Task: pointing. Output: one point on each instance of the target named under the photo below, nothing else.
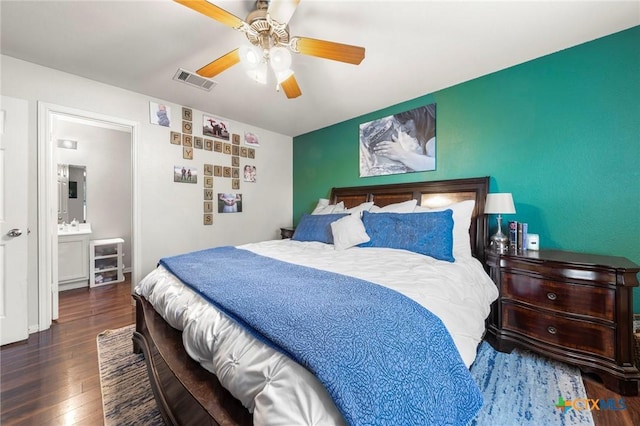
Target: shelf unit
(106, 262)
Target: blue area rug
(127, 398)
(522, 388)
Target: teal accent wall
(561, 133)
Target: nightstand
(573, 307)
(287, 232)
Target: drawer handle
(552, 330)
(552, 296)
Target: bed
(261, 379)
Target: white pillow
(462, 212)
(323, 207)
(403, 207)
(357, 210)
(348, 231)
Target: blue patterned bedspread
(383, 358)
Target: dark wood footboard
(186, 393)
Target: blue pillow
(316, 227)
(429, 233)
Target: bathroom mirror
(72, 193)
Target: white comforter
(278, 390)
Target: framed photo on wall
(185, 174)
(250, 172)
(251, 139)
(212, 126)
(400, 143)
(159, 114)
(229, 203)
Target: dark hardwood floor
(52, 378)
(630, 416)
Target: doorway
(51, 118)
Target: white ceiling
(412, 48)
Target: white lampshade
(259, 73)
(280, 58)
(250, 56)
(499, 203)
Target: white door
(14, 174)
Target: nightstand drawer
(569, 298)
(566, 332)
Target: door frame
(47, 201)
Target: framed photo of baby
(159, 114)
(400, 143)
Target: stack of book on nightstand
(517, 236)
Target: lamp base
(500, 242)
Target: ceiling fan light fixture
(267, 29)
(279, 58)
(250, 56)
(258, 73)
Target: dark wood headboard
(429, 194)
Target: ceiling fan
(267, 30)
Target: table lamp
(499, 203)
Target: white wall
(171, 213)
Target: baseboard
(73, 285)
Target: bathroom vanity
(73, 256)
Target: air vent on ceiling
(194, 79)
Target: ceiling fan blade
(281, 11)
(222, 63)
(290, 87)
(213, 11)
(328, 50)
